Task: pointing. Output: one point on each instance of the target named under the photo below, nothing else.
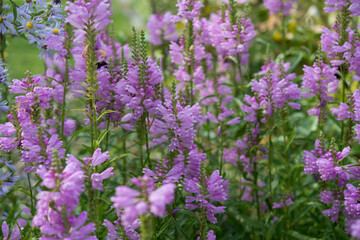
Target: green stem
(68, 46)
(271, 153)
(141, 156)
(190, 54)
(283, 31)
(31, 195)
(285, 139)
(153, 6)
(92, 201)
(94, 117)
(241, 75)
(147, 229)
(63, 108)
(124, 160)
(147, 142)
(107, 135)
(256, 191)
(221, 147)
(2, 39)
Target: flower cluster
(275, 89)
(327, 165)
(146, 200)
(276, 6)
(118, 226)
(161, 28)
(320, 80)
(213, 189)
(27, 121)
(55, 207)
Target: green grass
(21, 56)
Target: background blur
(303, 37)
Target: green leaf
(232, 58)
(102, 136)
(164, 226)
(14, 8)
(291, 139)
(106, 201)
(251, 185)
(238, 102)
(74, 135)
(267, 42)
(209, 96)
(12, 213)
(7, 195)
(87, 147)
(3, 44)
(296, 61)
(298, 235)
(25, 192)
(84, 111)
(271, 230)
(103, 114)
(37, 184)
(340, 233)
(121, 156)
(179, 228)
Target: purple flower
(140, 94)
(5, 24)
(228, 39)
(112, 233)
(128, 228)
(216, 189)
(3, 72)
(6, 182)
(338, 5)
(327, 165)
(311, 166)
(328, 40)
(187, 9)
(349, 51)
(15, 235)
(160, 198)
(178, 121)
(351, 205)
(125, 197)
(320, 80)
(333, 212)
(327, 197)
(283, 6)
(98, 178)
(59, 203)
(335, 5)
(211, 235)
(95, 12)
(342, 112)
(8, 164)
(137, 203)
(161, 28)
(284, 201)
(164, 174)
(30, 25)
(350, 110)
(98, 157)
(355, 229)
(275, 88)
